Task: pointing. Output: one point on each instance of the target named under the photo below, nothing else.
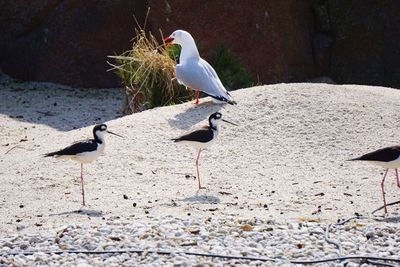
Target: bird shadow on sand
(194, 115)
(84, 212)
(203, 199)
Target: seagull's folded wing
(199, 75)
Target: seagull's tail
(224, 99)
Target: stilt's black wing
(76, 148)
(385, 154)
(201, 136)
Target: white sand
(286, 159)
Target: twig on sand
(390, 204)
(16, 146)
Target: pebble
(227, 236)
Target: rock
(194, 231)
(370, 235)
(247, 227)
(24, 246)
(373, 24)
(66, 41)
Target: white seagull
(194, 72)
(203, 138)
(85, 151)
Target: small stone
(247, 227)
(115, 238)
(370, 235)
(194, 231)
(300, 245)
(24, 246)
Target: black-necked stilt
(194, 72)
(388, 158)
(203, 138)
(85, 151)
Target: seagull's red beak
(169, 41)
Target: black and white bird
(388, 158)
(194, 72)
(203, 138)
(85, 151)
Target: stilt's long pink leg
(383, 190)
(398, 179)
(197, 97)
(83, 189)
(198, 173)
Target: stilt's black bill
(229, 122)
(115, 134)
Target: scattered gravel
(296, 240)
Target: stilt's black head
(212, 120)
(215, 117)
(99, 131)
(99, 127)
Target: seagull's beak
(168, 41)
(229, 122)
(115, 134)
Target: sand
(285, 161)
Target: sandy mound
(286, 160)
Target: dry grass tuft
(148, 73)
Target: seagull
(388, 158)
(85, 151)
(203, 138)
(194, 72)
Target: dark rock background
(367, 41)
(351, 41)
(66, 41)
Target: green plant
(230, 70)
(148, 73)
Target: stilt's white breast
(390, 164)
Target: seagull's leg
(383, 190)
(83, 189)
(197, 166)
(397, 176)
(197, 97)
